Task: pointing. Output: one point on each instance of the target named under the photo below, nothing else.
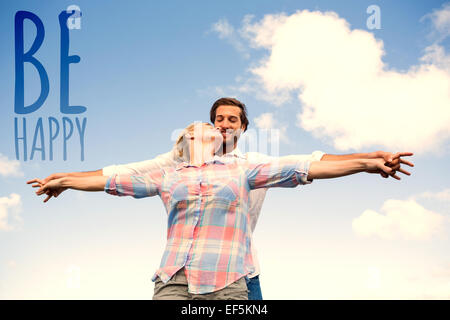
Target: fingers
(49, 191)
(403, 154)
(48, 198)
(50, 194)
(35, 181)
(399, 160)
(404, 171)
(394, 166)
(407, 163)
(44, 181)
(392, 171)
(58, 192)
(397, 167)
(389, 172)
(42, 190)
(386, 170)
(37, 185)
(396, 162)
(384, 175)
(45, 188)
(394, 175)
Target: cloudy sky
(341, 77)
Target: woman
(208, 246)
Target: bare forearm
(335, 169)
(88, 183)
(86, 173)
(352, 156)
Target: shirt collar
(215, 159)
(236, 153)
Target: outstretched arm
(336, 169)
(55, 192)
(393, 160)
(288, 173)
(88, 183)
(119, 185)
(135, 168)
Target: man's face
(228, 120)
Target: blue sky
(149, 68)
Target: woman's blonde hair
(181, 145)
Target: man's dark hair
(230, 102)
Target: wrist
(374, 155)
(365, 164)
(65, 182)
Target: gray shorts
(177, 289)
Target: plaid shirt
(208, 224)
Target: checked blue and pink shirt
(208, 223)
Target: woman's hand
(54, 192)
(393, 160)
(51, 187)
(379, 165)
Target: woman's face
(204, 139)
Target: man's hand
(54, 192)
(394, 161)
(377, 165)
(50, 187)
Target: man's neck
(226, 148)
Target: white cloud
(440, 19)
(267, 121)
(227, 32)
(347, 93)
(10, 208)
(9, 167)
(401, 219)
(443, 195)
(223, 28)
(436, 55)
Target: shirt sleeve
(167, 159)
(136, 186)
(286, 173)
(316, 155)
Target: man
(230, 116)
